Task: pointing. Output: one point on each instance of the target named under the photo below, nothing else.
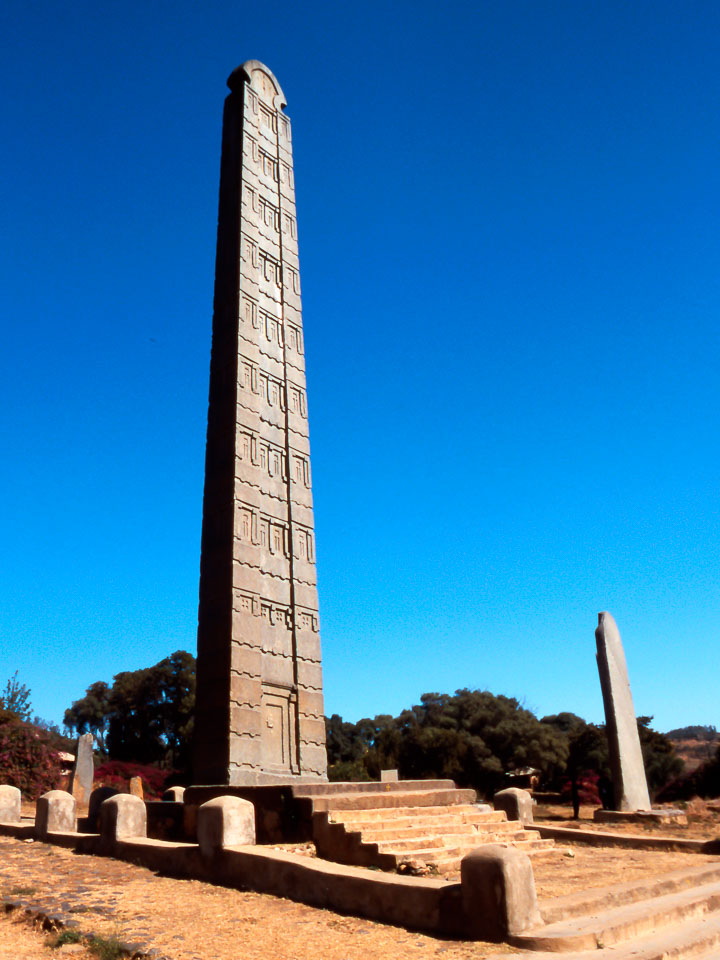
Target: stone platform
(661, 815)
(430, 823)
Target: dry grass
(703, 821)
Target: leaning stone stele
(259, 714)
(626, 760)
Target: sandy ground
(190, 920)
(22, 941)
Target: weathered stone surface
(136, 787)
(258, 640)
(122, 817)
(55, 813)
(225, 822)
(498, 893)
(626, 760)
(517, 804)
(81, 778)
(175, 794)
(10, 801)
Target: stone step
(465, 812)
(395, 799)
(643, 918)
(449, 861)
(372, 787)
(697, 939)
(447, 848)
(446, 841)
(600, 898)
(388, 831)
(415, 817)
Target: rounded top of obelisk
(261, 78)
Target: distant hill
(694, 733)
(694, 745)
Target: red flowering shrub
(587, 789)
(27, 759)
(117, 773)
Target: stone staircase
(676, 917)
(434, 827)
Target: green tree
(15, 701)
(91, 713)
(662, 764)
(587, 750)
(146, 716)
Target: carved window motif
(245, 604)
(284, 127)
(269, 268)
(263, 386)
(266, 612)
(247, 376)
(286, 173)
(306, 621)
(295, 338)
(306, 472)
(274, 393)
(297, 469)
(274, 463)
(263, 456)
(268, 118)
(310, 551)
(252, 99)
(292, 279)
(245, 446)
(246, 525)
(269, 213)
(251, 147)
(264, 533)
(268, 164)
(277, 544)
(250, 197)
(289, 225)
(249, 310)
(302, 545)
(251, 252)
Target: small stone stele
(10, 800)
(55, 813)
(122, 817)
(498, 893)
(136, 787)
(81, 778)
(517, 804)
(225, 822)
(174, 794)
(389, 776)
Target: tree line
(473, 737)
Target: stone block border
(464, 910)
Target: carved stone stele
(626, 760)
(259, 712)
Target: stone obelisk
(626, 760)
(259, 715)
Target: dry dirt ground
(703, 821)
(189, 920)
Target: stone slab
(626, 760)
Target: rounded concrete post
(174, 793)
(55, 813)
(498, 893)
(517, 804)
(10, 800)
(225, 822)
(122, 817)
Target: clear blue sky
(508, 222)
